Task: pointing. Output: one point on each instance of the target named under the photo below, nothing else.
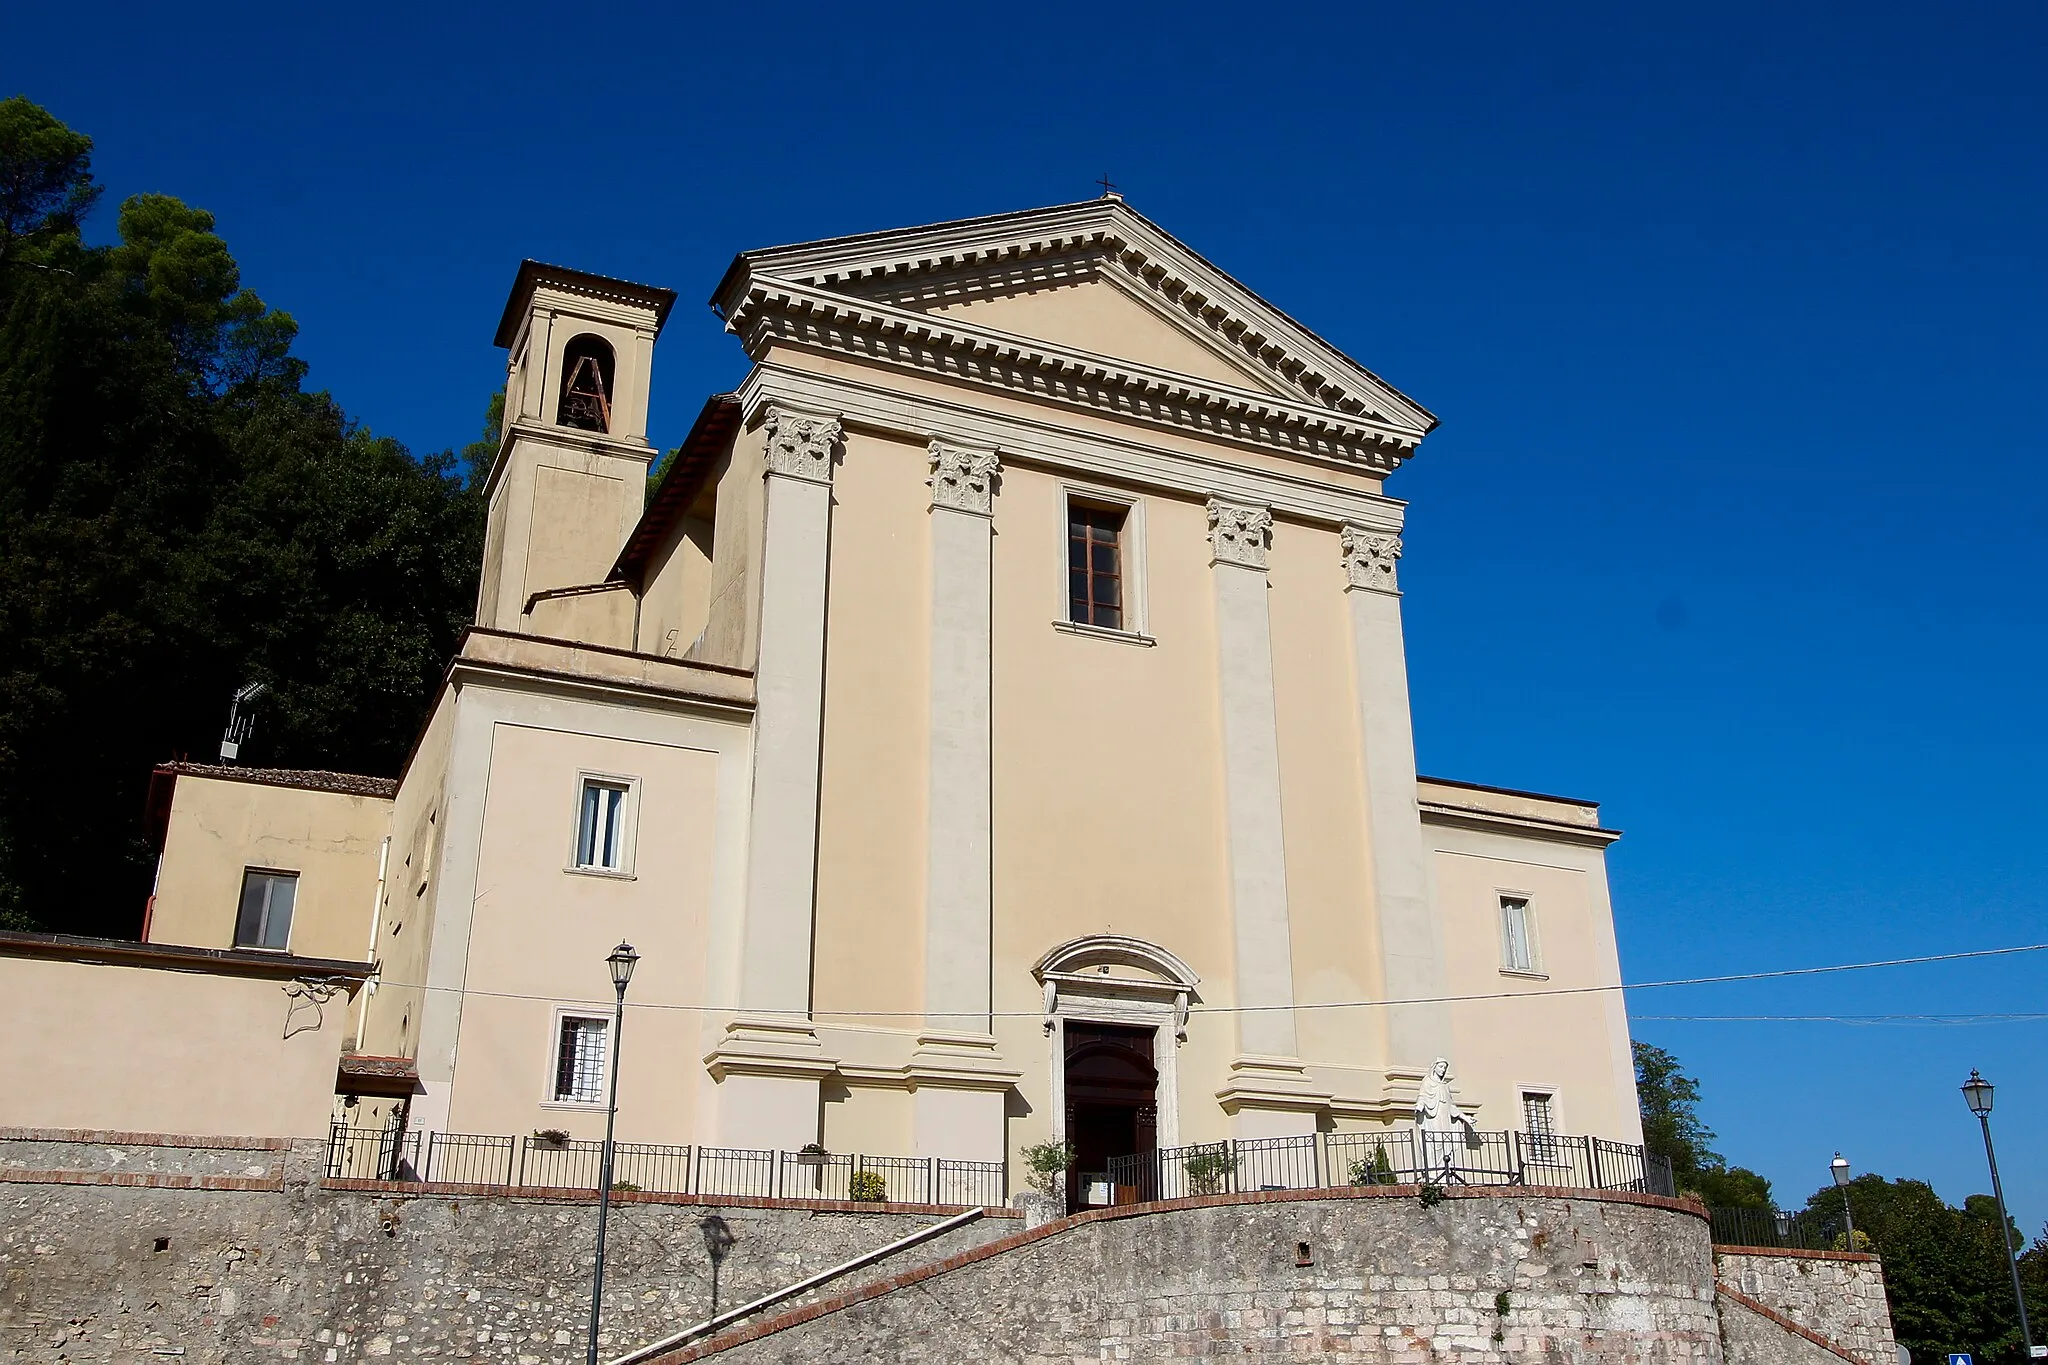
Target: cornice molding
(1239, 534)
(964, 477)
(1052, 445)
(784, 312)
(1370, 557)
(801, 445)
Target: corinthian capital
(1369, 558)
(964, 477)
(801, 444)
(1238, 533)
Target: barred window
(1539, 1121)
(579, 1060)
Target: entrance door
(1112, 1105)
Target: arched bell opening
(586, 397)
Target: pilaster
(770, 1061)
(1411, 939)
(958, 1077)
(1268, 1091)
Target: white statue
(1435, 1110)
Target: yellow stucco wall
(166, 1051)
(540, 933)
(219, 827)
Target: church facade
(993, 728)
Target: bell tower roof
(533, 274)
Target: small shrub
(1374, 1170)
(1207, 1170)
(551, 1137)
(1047, 1164)
(624, 1187)
(1431, 1195)
(868, 1187)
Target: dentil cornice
(784, 313)
(801, 445)
(1239, 534)
(1369, 558)
(964, 477)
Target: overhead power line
(1530, 994)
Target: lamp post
(1977, 1094)
(621, 962)
(1840, 1168)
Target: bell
(585, 404)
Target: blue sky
(1736, 521)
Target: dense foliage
(178, 517)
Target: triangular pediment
(1096, 317)
(1094, 289)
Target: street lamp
(1840, 1168)
(1977, 1094)
(621, 963)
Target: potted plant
(553, 1138)
(811, 1154)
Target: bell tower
(570, 478)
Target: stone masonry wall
(1750, 1337)
(133, 1252)
(1482, 1278)
(1836, 1294)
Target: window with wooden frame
(1095, 564)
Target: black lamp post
(621, 962)
(1840, 1169)
(1977, 1094)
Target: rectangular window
(1095, 569)
(265, 917)
(579, 1060)
(601, 826)
(1539, 1122)
(1517, 944)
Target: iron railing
(1396, 1156)
(1803, 1229)
(545, 1162)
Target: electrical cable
(1724, 979)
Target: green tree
(1672, 1127)
(178, 516)
(45, 174)
(1944, 1272)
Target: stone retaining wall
(127, 1247)
(158, 1267)
(1482, 1276)
(1836, 1294)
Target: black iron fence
(1800, 1230)
(544, 1161)
(1403, 1156)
